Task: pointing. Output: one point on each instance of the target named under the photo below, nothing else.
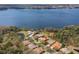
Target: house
(26, 42)
(56, 45)
(50, 41)
(32, 46)
(42, 39)
(38, 50)
(65, 50)
(38, 35)
(29, 32)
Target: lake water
(39, 18)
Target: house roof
(26, 42)
(38, 50)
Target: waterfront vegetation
(14, 40)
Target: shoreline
(38, 6)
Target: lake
(39, 18)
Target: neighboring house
(31, 46)
(38, 50)
(26, 42)
(42, 39)
(56, 45)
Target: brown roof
(38, 50)
(43, 38)
(50, 41)
(26, 42)
(32, 46)
(56, 45)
